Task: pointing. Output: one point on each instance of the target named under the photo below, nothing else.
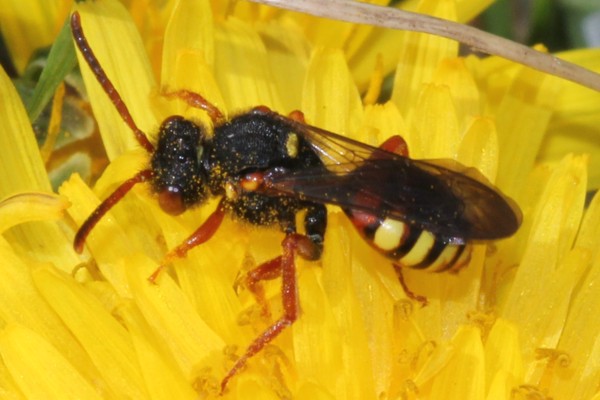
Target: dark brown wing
(442, 196)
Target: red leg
(201, 235)
(409, 293)
(197, 101)
(105, 206)
(297, 116)
(271, 269)
(395, 144)
(266, 271)
(289, 288)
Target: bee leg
(409, 293)
(105, 206)
(315, 222)
(201, 235)
(297, 116)
(395, 144)
(195, 100)
(293, 244)
(264, 272)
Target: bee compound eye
(171, 201)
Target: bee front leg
(196, 100)
(201, 235)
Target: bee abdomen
(408, 245)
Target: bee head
(179, 178)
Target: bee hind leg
(284, 266)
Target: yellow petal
(576, 372)
(466, 9)
(374, 304)
(288, 56)
(29, 25)
(39, 369)
(479, 147)
(330, 98)
(188, 59)
(23, 171)
(464, 375)
(588, 235)
(385, 44)
(539, 297)
(163, 378)
(453, 73)
(469, 9)
(21, 303)
(337, 325)
(19, 152)
(103, 337)
(210, 289)
(190, 27)
(310, 391)
(420, 57)
(579, 340)
(503, 358)
(381, 122)
(241, 68)
(434, 124)
(26, 207)
(575, 125)
(522, 118)
(191, 341)
(318, 331)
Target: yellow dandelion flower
(29, 25)
(514, 323)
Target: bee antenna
(102, 78)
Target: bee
(266, 167)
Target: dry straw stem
(392, 18)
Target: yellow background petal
(464, 375)
(163, 378)
(27, 25)
(19, 152)
(575, 125)
(479, 147)
(546, 276)
(39, 369)
(434, 124)
(504, 363)
(420, 57)
(26, 207)
(23, 171)
(189, 338)
(22, 304)
(103, 337)
(241, 68)
(330, 99)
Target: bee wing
(442, 196)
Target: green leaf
(61, 61)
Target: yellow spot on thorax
(291, 145)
